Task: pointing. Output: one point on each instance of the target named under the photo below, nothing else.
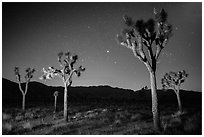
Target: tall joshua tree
(67, 61)
(28, 76)
(151, 36)
(174, 80)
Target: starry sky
(33, 34)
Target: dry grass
(107, 120)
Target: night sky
(33, 34)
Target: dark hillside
(40, 93)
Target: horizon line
(99, 86)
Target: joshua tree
(55, 105)
(144, 88)
(152, 36)
(28, 76)
(67, 61)
(174, 80)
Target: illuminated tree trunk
(55, 105)
(23, 94)
(65, 103)
(179, 101)
(153, 84)
(66, 87)
(155, 105)
(23, 102)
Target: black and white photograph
(101, 68)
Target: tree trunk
(55, 104)
(155, 105)
(179, 101)
(23, 95)
(23, 102)
(65, 103)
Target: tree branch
(148, 33)
(26, 88)
(141, 51)
(60, 62)
(19, 84)
(70, 76)
(138, 55)
(159, 48)
(147, 43)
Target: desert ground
(101, 119)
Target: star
(108, 51)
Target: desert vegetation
(174, 80)
(105, 110)
(66, 61)
(99, 111)
(28, 76)
(140, 35)
(101, 119)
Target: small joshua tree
(67, 61)
(55, 105)
(151, 36)
(174, 80)
(28, 76)
(144, 88)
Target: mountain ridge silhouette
(39, 92)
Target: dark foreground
(97, 119)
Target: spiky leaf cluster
(128, 20)
(28, 76)
(50, 73)
(17, 74)
(79, 70)
(173, 79)
(139, 34)
(161, 16)
(146, 29)
(29, 73)
(156, 29)
(67, 61)
(56, 93)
